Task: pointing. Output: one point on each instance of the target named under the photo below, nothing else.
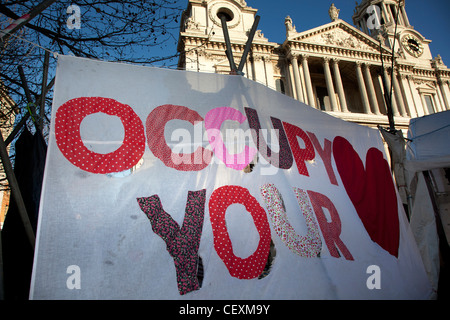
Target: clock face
(412, 45)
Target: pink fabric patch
(213, 121)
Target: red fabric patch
(300, 154)
(67, 131)
(156, 121)
(331, 230)
(325, 154)
(252, 266)
(371, 191)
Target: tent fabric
(17, 252)
(396, 143)
(169, 191)
(423, 225)
(428, 146)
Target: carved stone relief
(339, 38)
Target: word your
(74, 280)
(74, 20)
(374, 281)
(374, 19)
(183, 243)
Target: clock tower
(377, 19)
(425, 77)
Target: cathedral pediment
(338, 34)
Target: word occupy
(68, 138)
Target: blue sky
(430, 18)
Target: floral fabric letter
(182, 244)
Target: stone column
(302, 83)
(398, 95)
(294, 60)
(268, 66)
(340, 87)
(330, 86)
(372, 94)
(413, 108)
(399, 16)
(386, 14)
(380, 85)
(309, 90)
(260, 69)
(438, 103)
(287, 87)
(393, 100)
(405, 16)
(416, 97)
(442, 86)
(292, 81)
(409, 100)
(362, 89)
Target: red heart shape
(371, 191)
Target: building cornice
(218, 43)
(370, 120)
(342, 53)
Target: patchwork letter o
(68, 138)
(252, 266)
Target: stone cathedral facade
(336, 67)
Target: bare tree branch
(136, 31)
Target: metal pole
(229, 51)
(25, 117)
(387, 97)
(29, 98)
(43, 90)
(18, 23)
(392, 126)
(248, 45)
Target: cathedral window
(279, 85)
(322, 95)
(227, 13)
(429, 103)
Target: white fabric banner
(164, 184)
